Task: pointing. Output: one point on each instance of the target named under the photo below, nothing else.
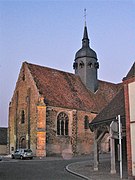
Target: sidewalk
(85, 170)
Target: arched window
(22, 117)
(86, 122)
(62, 124)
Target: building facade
(129, 89)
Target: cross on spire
(85, 16)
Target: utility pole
(113, 128)
(120, 144)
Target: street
(36, 169)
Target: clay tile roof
(63, 89)
(3, 136)
(114, 108)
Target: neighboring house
(129, 89)
(3, 140)
(122, 104)
(50, 110)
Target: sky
(49, 33)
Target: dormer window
(96, 65)
(75, 65)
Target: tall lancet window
(86, 122)
(62, 124)
(22, 117)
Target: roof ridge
(110, 82)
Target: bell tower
(86, 65)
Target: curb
(75, 173)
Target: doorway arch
(22, 142)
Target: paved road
(35, 170)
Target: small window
(22, 117)
(86, 122)
(81, 64)
(96, 65)
(23, 75)
(62, 124)
(90, 64)
(75, 65)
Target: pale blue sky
(50, 32)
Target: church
(50, 110)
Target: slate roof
(3, 136)
(63, 89)
(114, 108)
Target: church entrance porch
(100, 131)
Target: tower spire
(85, 63)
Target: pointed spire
(85, 50)
(85, 34)
(85, 40)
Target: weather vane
(85, 16)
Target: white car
(22, 154)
